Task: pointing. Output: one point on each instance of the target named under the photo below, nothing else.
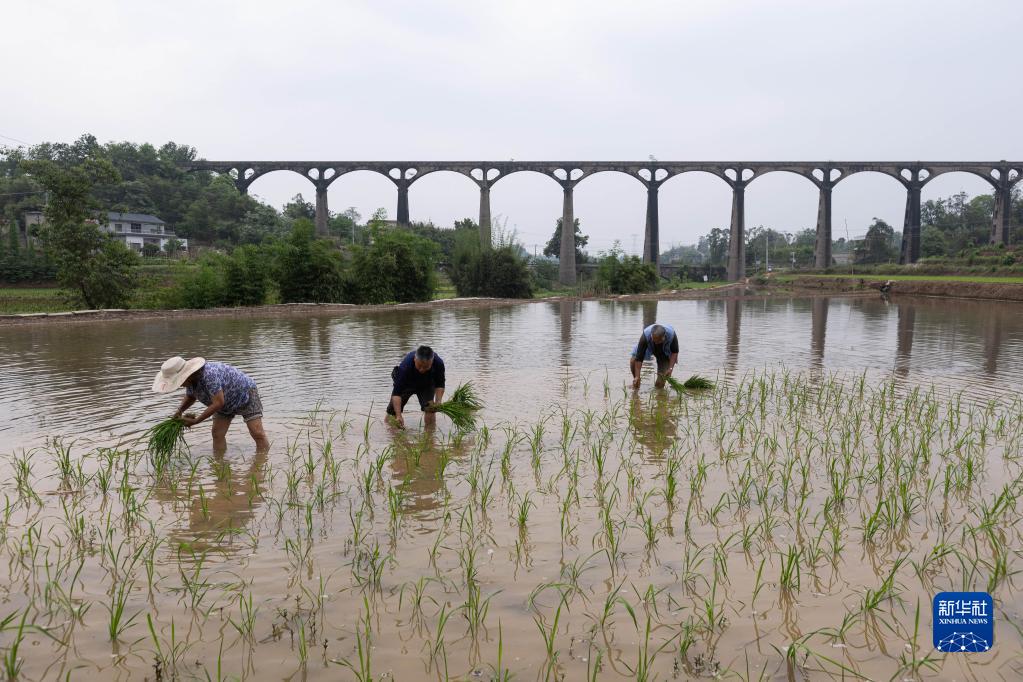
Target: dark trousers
(425, 395)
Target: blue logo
(964, 622)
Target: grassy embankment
(31, 300)
(906, 278)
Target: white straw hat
(174, 372)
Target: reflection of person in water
(229, 504)
(417, 464)
(659, 342)
(653, 426)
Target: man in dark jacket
(420, 373)
(658, 341)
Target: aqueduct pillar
(910, 252)
(651, 237)
(402, 217)
(322, 212)
(737, 233)
(486, 239)
(566, 270)
(822, 246)
(1000, 233)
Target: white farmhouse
(138, 229)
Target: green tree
(932, 242)
(246, 276)
(879, 244)
(299, 208)
(621, 274)
(173, 246)
(201, 287)
(714, 246)
(344, 225)
(13, 239)
(499, 272)
(398, 265)
(98, 271)
(553, 248)
(309, 270)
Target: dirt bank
(801, 286)
(994, 291)
(309, 309)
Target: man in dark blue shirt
(421, 373)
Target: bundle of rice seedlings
(693, 383)
(165, 438)
(461, 407)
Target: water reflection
(993, 342)
(420, 464)
(484, 324)
(733, 323)
(218, 511)
(818, 330)
(652, 424)
(904, 340)
(567, 311)
(91, 381)
(649, 313)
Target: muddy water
(452, 557)
(93, 380)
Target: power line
(14, 139)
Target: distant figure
(225, 390)
(420, 373)
(660, 342)
(886, 287)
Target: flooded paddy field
(856, 458)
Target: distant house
(139, 229)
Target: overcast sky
(587, 80)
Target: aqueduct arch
(913, 175)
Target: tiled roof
(134, 218)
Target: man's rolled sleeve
(640, 353)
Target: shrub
(544, 274)
(397, 266)
(150, 250)
(107, 279)
(500, 272)
(203, 287)
(309, 270)
(621, 274)
(246, 276)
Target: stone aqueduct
(913, 175)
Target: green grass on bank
(14, 300)
(21, 300)
(907, 278)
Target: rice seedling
(693, 383)
(865, 496)
(164, 439)
(461, 407)
(119, 620)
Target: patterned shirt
(218, 376)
